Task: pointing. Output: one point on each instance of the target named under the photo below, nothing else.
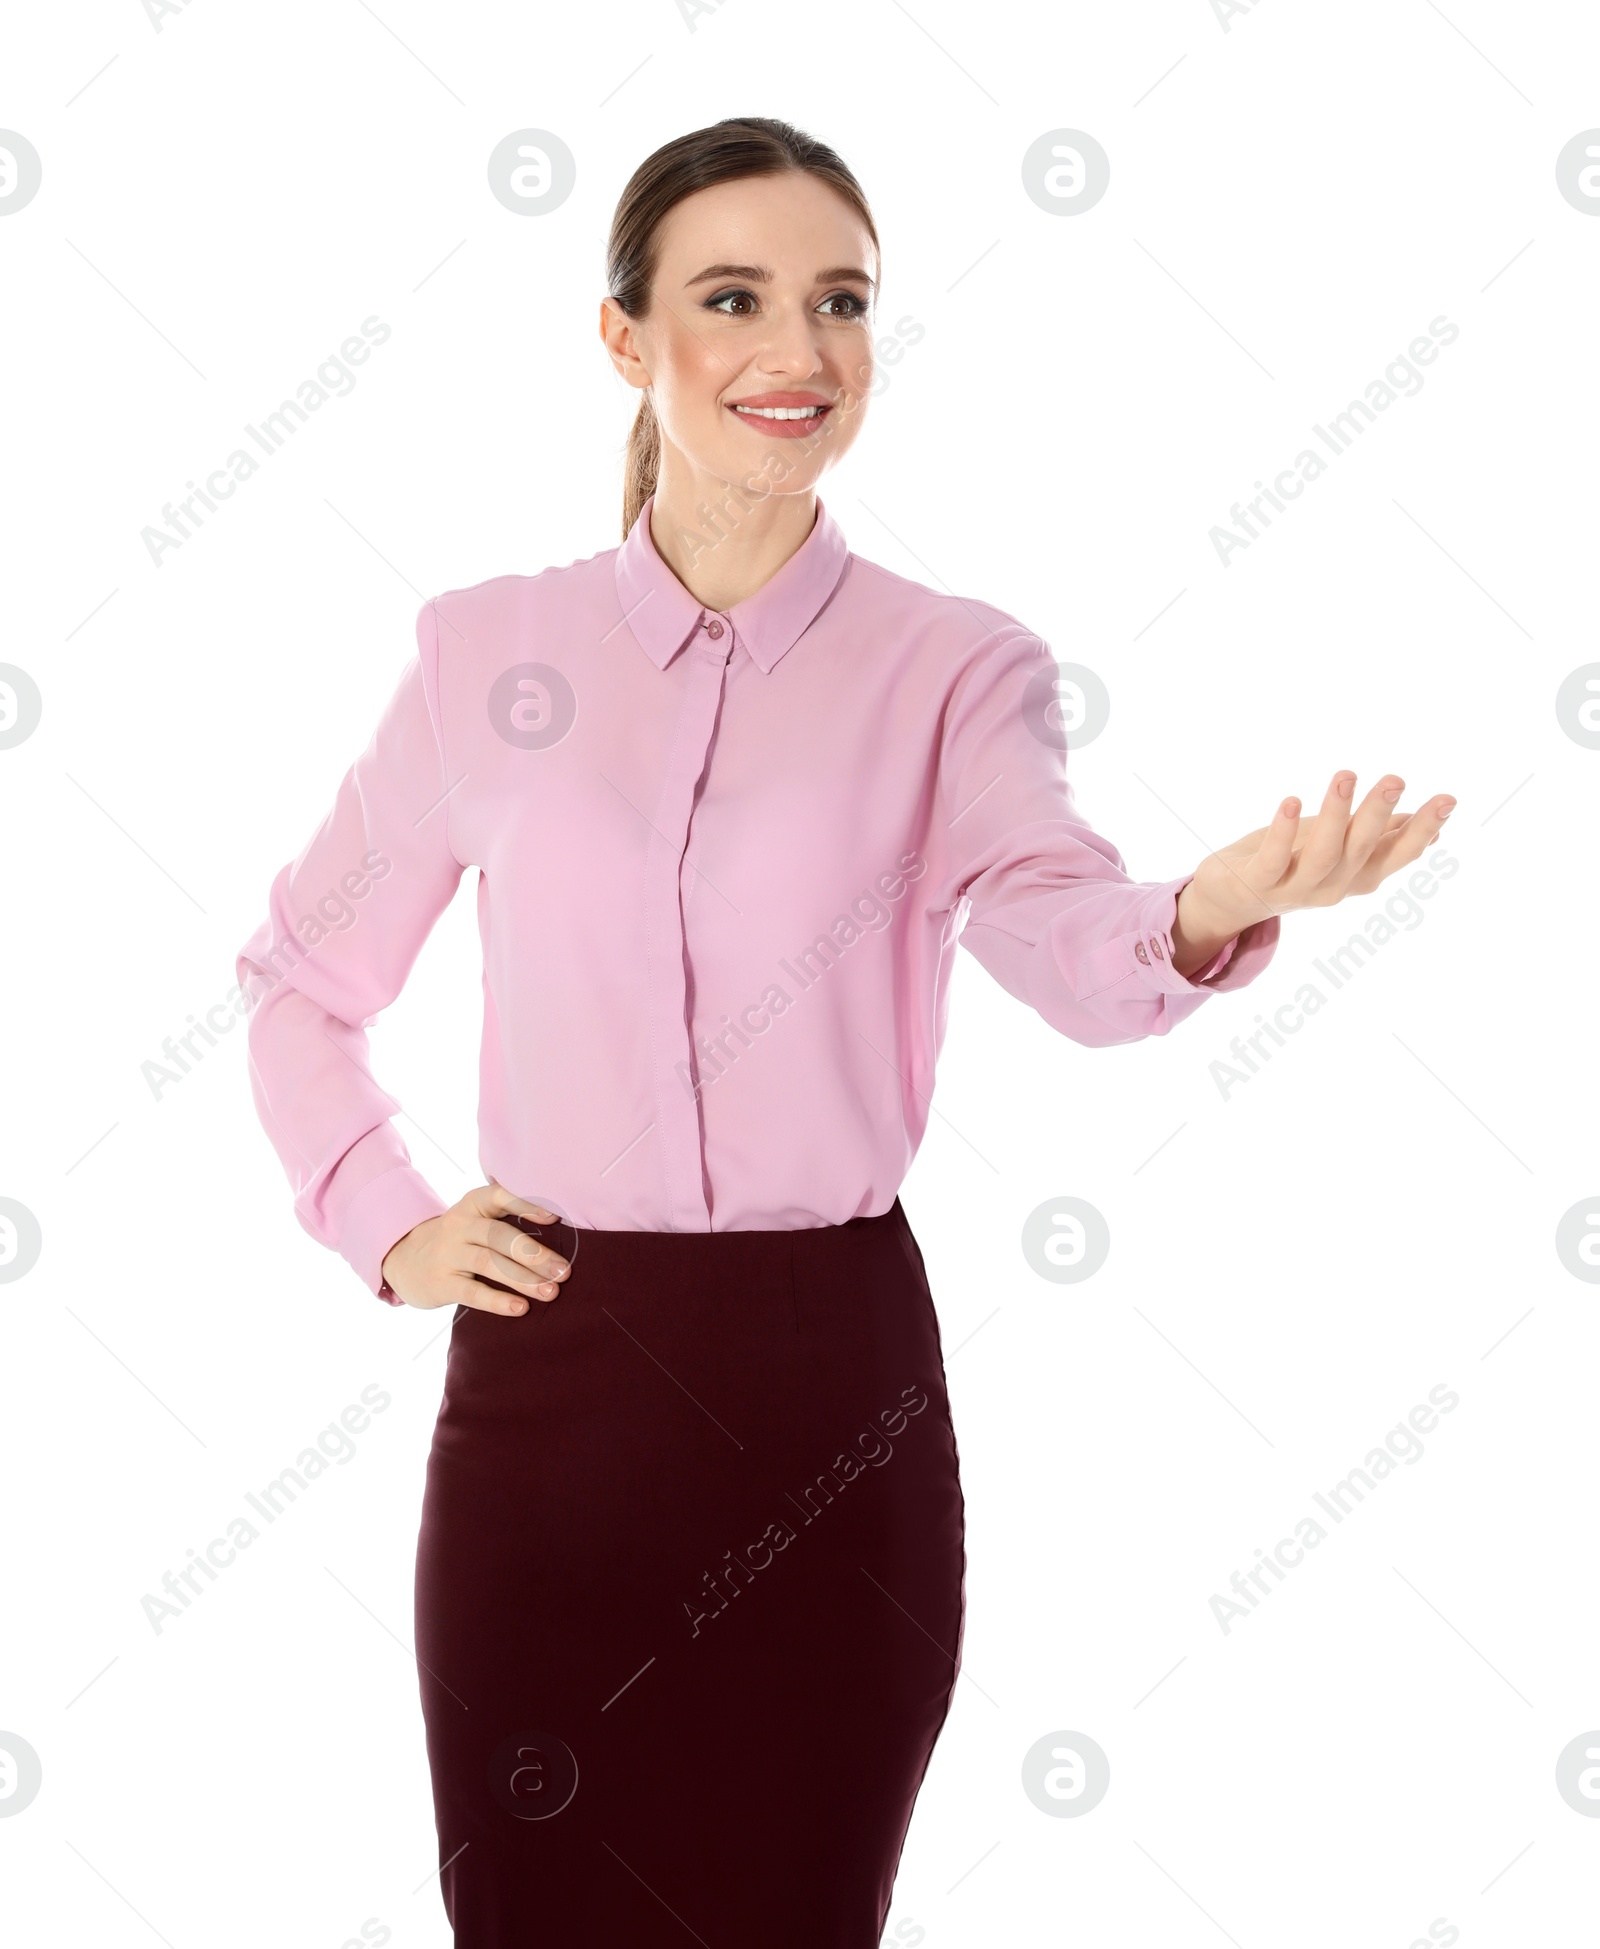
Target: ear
(618, 335)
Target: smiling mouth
(781, 412)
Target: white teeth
(781, 412)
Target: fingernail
(1446, 809)
(1290, 808)
(548, 1291)
(1392, 792)
(1347, 785)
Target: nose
(791, 348)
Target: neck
(721, 541)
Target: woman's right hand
(445, 1261)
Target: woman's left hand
(1298, 862)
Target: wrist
(1199, 932)
(388, 1266)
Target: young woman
(690, 1574)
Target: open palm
(1319, 861)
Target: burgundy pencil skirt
(690, 1591)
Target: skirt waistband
(730, 1252)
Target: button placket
(666, 948)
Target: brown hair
(742, 145)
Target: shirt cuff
(380, 1215)
(1144, 953)
(1241, 959)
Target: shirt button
(1155, 948)
(1138, 949)
(713, 630)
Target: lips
(785, 413)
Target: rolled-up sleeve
(1049, 908)
(345, 922)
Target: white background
(1293, 197)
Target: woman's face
(762, 300)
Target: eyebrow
(759, 274)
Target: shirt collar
(663, 615)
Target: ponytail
(641, 464)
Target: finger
(493, 1199)
(1397, 822)
(1394, 850)
(488, 1263)
(1370, 822)
(486, 1277)
(1403, 843)
(541, 1260)
(1277, 845)
(1322, 850)
(485, 1295)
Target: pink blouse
(723, 863)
